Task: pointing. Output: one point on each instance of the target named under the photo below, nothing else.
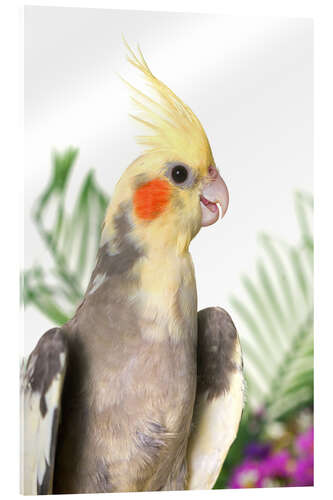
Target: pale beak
(213, 193)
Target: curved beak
(214, 192)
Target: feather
(175, 125)
(220, 398)
(41, 388)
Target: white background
(249, 80)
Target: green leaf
(280, 272)
(70, 238)
(277, 321)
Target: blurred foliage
(72, 240)
(275, 320)
(278, 317)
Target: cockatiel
(139, 392)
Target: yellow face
(165, 198)
(174, 187)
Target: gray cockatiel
(138, 391)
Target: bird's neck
(157, 266)
(161, 277)
(166, 293)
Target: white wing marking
(37, 431)
(215, 425)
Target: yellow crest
(173, 125)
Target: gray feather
(41, 390)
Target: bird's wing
(41, 386)
(219, 400)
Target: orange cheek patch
(151, 199)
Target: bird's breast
(132, 380)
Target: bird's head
(174, 188)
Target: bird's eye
(179, 174)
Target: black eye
(179, 174)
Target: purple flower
(303, 473)
(246, 475)
(264, 468)
(257, 450)
(304, 443)
(276, 469)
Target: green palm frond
(72, 240)
(277, 321)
